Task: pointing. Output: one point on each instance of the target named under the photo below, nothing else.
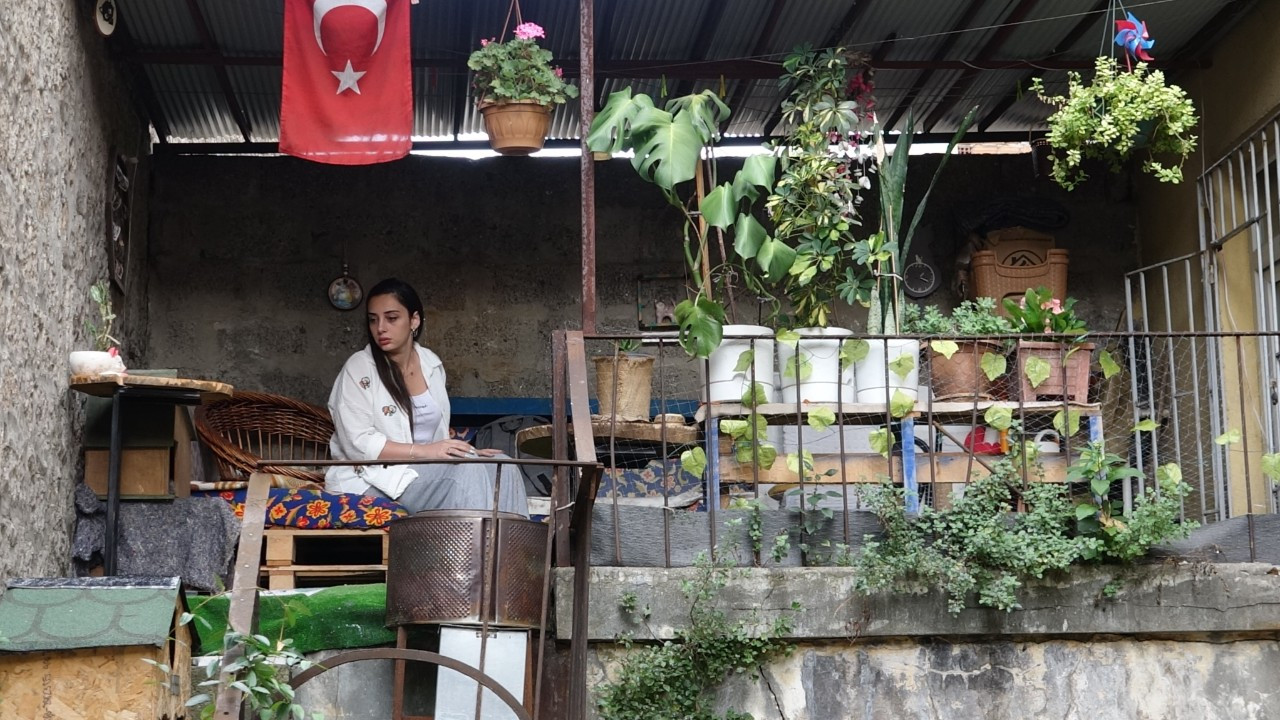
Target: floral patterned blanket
(305, 508)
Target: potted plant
(105, 359)
(888, 367)
(515, 88)
(964, 359)
(815, 208)
(624, 382)
(1050, 369)
(1117, 114)
(669, 145)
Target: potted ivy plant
(1118, 114)
(515, 89)
(105, 358)
(1050, 369)
(965, 360)
(888, 367)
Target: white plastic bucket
(820, 350)
(872, 371)
(728, 385)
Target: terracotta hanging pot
(516, 127)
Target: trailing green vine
(980, 548)
(674, 679)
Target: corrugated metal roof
(658, 39)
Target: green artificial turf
(349, 616)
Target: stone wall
(64, 106)
(243, 249)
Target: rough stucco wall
(62, 108)
(243, 249)
(1005, 680)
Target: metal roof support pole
(587, 113)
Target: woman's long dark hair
(388, 371)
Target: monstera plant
(669, 145)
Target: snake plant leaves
(993, 365)
(1036, 370)
(945, 348)
(701, 323)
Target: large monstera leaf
(611, 130)
(667, 143)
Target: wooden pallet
(283, 567)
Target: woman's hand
(489, 452)
(447, 450)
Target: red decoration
(347, 95)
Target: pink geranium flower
(484, 42)
(1055, 305)
(559, 72)
(529, 31)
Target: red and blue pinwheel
(1131, 34)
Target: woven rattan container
(991, 279)
(437, 562)
(1019, 246)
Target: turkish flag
(347, 93)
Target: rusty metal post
(587, 114)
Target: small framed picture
(345, 293)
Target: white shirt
(365, 417)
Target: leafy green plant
(1040, 312)
(926, 320)
(815, 203)
(673, 679)
(668, 145)
(978, 318)
(100, 331)
(1117, 113)
(980, 549)
(884, 254)
(518, 69)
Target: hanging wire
(513, 8)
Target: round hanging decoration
(106, 13)
(345, 292)
(919, 279)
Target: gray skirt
(463, 487)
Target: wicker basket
(991, 279)
(252, 426)
(1020, 246)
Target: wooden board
(102, 683)
(536, 441)
(106, 385)
(963, 410)
(949, 468)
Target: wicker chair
(253, 426)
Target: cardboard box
(156, 455)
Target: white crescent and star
(349, 78)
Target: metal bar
(1205, 214)
(586, 115)
(579, 404)
(560, 446)
(581, 599)
(1173, 383)
(666, 473)
(1126, 487)
(1244, 446)
(1151, 385)
(1197, 411)
(944, 49)
(460, 80)
(1263, 288)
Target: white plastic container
(728, 385)
(872, 372)
(820, 350)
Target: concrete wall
(1178, 641)
(64, 105)
(242, 250)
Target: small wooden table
(124, 388)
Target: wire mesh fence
(771, 438)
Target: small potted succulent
(1051, 369)
(105, 358)
(1116, 115)
(515, 88)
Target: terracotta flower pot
(516, 127)
(961, 377)
(1070, 383)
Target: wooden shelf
(878, 410)
(861, 468)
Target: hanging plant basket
(516, 127)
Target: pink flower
(484, 42)
(1055, 305)
(559, 73)
(529, 31)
